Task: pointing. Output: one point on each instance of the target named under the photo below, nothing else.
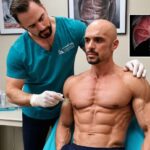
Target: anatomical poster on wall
(140, 35)
(8, 25)
(89, 10)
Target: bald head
(104, 27)
(100, 41)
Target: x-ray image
(8, 24)
(89, 10)
(9, 21)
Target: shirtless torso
(101, 107)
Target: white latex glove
(137, 67)
(46, 99)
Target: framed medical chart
(139, 35)
(89, 10)
(8, 25)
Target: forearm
(18, 97)
(63, 136)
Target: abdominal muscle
(101, 127)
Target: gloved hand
(46, 99)
(137, 67)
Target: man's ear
(115, 44)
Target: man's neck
(45, 43)
(102, 69)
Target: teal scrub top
(46, 70)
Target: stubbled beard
(90, 60)
(93, 62)
(46, 35)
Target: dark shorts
(35, 132)
(77, 147)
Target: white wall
(60, 8)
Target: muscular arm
(63, 134)
(15, 93)
(141, 106)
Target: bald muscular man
(101, 101)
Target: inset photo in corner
(140, 35)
